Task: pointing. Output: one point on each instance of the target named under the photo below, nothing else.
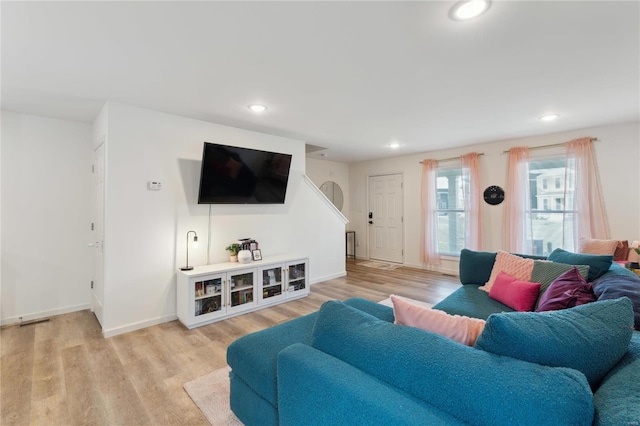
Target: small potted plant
(233, 250)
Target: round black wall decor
(493, 195)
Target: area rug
(388, 302)
(211, 394)
(380, 265)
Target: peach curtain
(518, 230)
(590, 220)
(471, 192)
(429, 229)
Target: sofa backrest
(472, 385)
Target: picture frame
(257, 254)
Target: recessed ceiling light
(394, 145)
(257, 108)
(467, 9)
(549, 117)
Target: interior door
(97, 294)
(385, 218)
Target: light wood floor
(63, 372)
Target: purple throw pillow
(567, 291)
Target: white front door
(386, 218)
(97, 294)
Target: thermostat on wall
(154, 186)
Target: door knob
(370, 222)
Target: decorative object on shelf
(248, 244)
(244, 256)
(233, 250)
(199, 290)
(257, 254)
(493, 195)
(195, 244)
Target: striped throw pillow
(545, 272)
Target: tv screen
(233, 175)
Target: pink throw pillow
(596, 246)
(461, 329)
(511, 264)
(516, 294)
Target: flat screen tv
(233, 175)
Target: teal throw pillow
(598, 264)
(589, 338)
(475, 266)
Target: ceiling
(349, 77)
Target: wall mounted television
(234, 175)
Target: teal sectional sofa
(348, 364)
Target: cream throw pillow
(516, 266)
(459, 328)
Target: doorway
(385, 218)
(97, 226)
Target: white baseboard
(44, 314)
(138, 325)
(327, 277)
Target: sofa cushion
(315, 388)
(545, 272)
(253, 357)
(516, 294)
(598, 264)
(613, 286)
(617, 400)
(511, 264)
(489, 390)
(458, 328)
(617, 269)
(622, 251)
(596, 246)
(568, 290)
(470, 301)
(475, 266)
(590, 338)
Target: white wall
(146, 230)
(321, 171)
(46, 184)
(618, 157)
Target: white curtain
(518, 229)
(429, 229)
(471, 194)
(589, 220)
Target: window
(450, 207)
(530, 225)
(450, 211)
(551, 214)
(558, 204)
